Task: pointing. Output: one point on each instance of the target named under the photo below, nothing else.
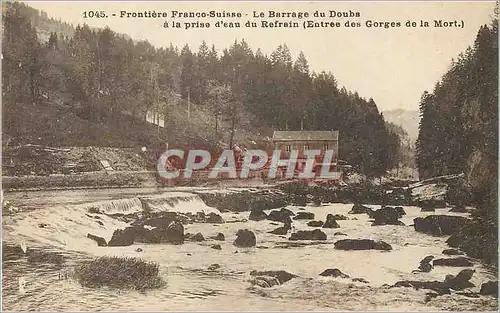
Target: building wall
(304, 145)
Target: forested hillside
(57, 89)
(459, 125)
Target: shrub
(119, 272)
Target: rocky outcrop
(125, 237)
(362, 244)
(454, 262)
(268, 279)
(173, 234)
(331, 222)
(304, 216)
(245, 238)
(478, 238)
(440, 224)
(101, 242)
(334, 272)
(308, 235)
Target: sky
(394, 66)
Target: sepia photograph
(249, 156)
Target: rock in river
(268, 279)
(308, 235)
(490, 288)
(455, 262)
(331, 222)
(334, 272)
(452, 252)
(282, 215)
(245, 238)
(101, 242)
(440, 224)
(304, 216)
(315, 223)
(358, 208)
(362, 244)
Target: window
(288, 148)
(306, 147)
(325, 146)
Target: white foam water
(192, 286)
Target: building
(288, 141)
(306, 140)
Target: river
(191, 286)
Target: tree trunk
(233, 121)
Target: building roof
(306, 135)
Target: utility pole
(189, 104)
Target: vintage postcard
(249, 156)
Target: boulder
(220, 237)
(281, 230)
(334, 272)
(400, 210)
(461, 281)
(304, 216)
(125, 237)
(358, 208)
(331, 222)
(216, 247)
(490, 289)
(282, 216)
(340, 234)
(197, 237)
(101, 242)
(245, 238)
(214, 218)
(440, 224)
(278, 277)
(452, 252)
(362, 244)
(308, 235)
(315, 223)
(454, 262)
(213, 267)
(440, 287)
(256, 214)
(386, 216)
(339, 217)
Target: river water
(190, 285)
